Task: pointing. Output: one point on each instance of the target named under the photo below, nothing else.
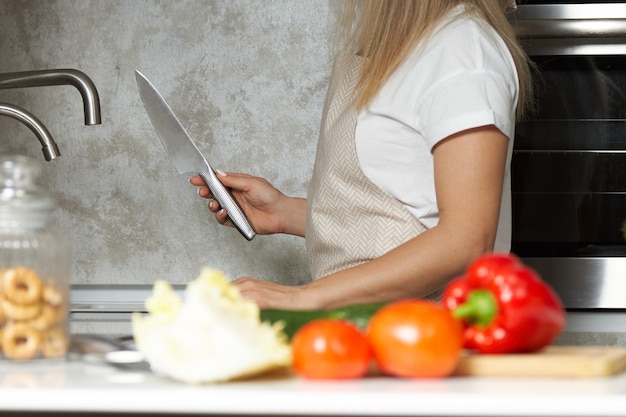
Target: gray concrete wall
(246, 77)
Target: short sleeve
(464, 101)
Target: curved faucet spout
(43, 78)
(49, 146)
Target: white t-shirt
(465, 77)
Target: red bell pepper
(505, 306)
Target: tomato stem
(480, 308)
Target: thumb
(233, 180)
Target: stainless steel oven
(569, 162)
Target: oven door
(569, 161)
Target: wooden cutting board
(554, 361)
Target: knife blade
(185, 154)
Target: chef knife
(185, 154)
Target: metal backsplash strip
(111, 298)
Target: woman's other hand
(269, 210)
(268, 294)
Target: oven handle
(575, 28)
(571, 29)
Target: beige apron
(350, 220)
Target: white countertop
(84, 387)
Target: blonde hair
(386, 31)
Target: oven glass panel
(569, 162)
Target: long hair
(386, 31)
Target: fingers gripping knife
(185, 154)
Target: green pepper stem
(480, 308)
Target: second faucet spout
(43, 78)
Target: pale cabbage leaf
(214, 335)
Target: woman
(411, 179)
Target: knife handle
(228, 202)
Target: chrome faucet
(49, 146)
(44, 78)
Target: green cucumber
(359, 314)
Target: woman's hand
(271, 295)
(269, 210)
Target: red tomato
(330, 349)
(416, 339)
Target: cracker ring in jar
(55, 343)
(20, 341)
(19, 312)
(48, 316)
(52, 296)
(2, 271)
(22, 285)
(45, 318)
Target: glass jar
(34, 267)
